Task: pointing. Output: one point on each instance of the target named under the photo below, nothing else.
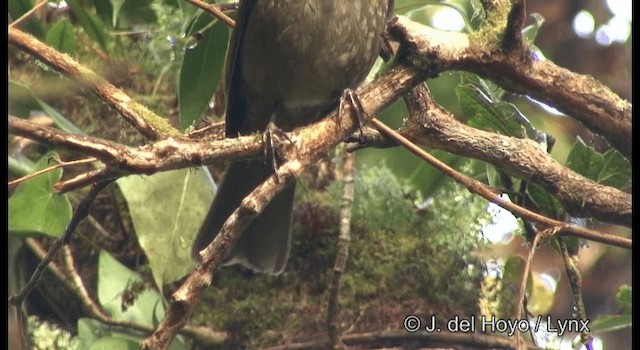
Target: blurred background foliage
(421, 244)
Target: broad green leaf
(62, 36)
(610, 168)
(89, 331)
(115, 343)
(482, 112)
(585, 160)
(201, 69)
(167, 210)
(94, 334)
(90, 23)
(35, 208)
(116, 284)
(616, 170)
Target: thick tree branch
(147, 122)
(433, 126)
(484, 191)
(582, 97)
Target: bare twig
(575, 282)
(40, 253)
(489, 194)
(333, 308)
(522, 292)
(89, 304)
(203, 334)
(50, 168)
(81, 212)
(214, 9)
(28, 14)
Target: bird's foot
(351, 98)
(273, 139)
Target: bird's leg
(272, 138)
(349, 96)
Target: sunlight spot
(584, 24)
(448, 19)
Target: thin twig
(51, 168)
(89, 304)
(28, 14)
(575, 282)
(214, 9)
(40, 253)
(489, 194)
(333, 307)
(81, 212)
(522, 292)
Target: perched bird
(288, 63)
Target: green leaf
(117, 294)
(93, 334)
(167, 210)
(609, 323)
(116, 5)
(35, 208)
(482, 112)
(90, 23)
(544, 200)
(624, 298)
(20, 167)
(201, 69)
(127, 14)
(23, 101)
(530, 32)
(62, 36)
(115, 343)
(17, 8)
(610, 168)
(616, 170)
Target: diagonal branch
(432, 125)
(311, 144)
(143, 119)
(582, 97)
